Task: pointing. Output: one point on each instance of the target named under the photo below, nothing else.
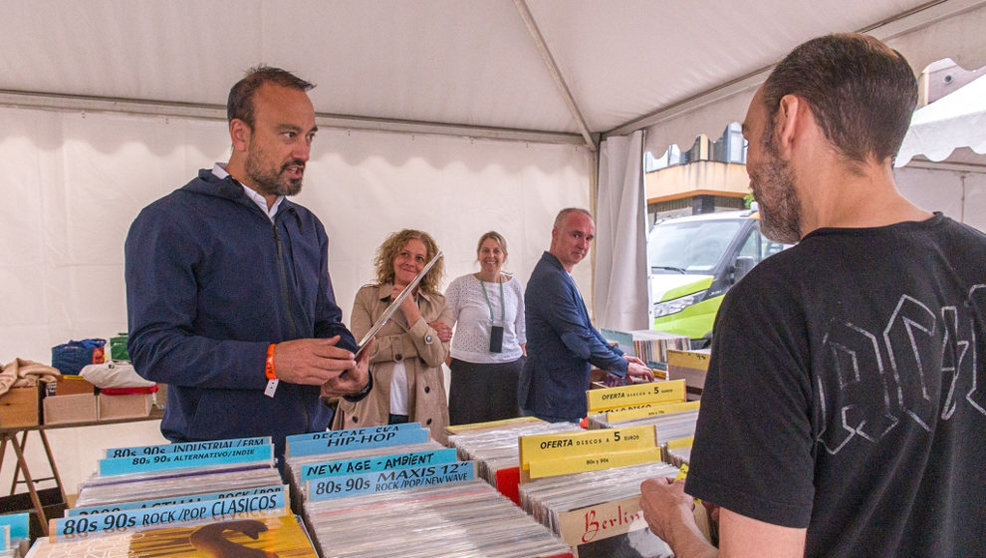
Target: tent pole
(549, 61)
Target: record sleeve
(254, 535)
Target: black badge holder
(496, 331)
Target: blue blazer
(561, 345)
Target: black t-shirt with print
(847, 392)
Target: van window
(751, 247)
(758, 246)
(689, 246)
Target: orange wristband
(269, 366)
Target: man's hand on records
(631, 358)
(637, 371)
(669, 514)
(312, 362)
(353, 380)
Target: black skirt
(483, 392)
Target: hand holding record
(311, 361)
(352, 380)
(395, 304)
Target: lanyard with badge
(496, 331)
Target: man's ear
(239, 133)
(793, 114)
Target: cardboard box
(69, 385)
(20, 407)
(136, 405)
(691, 366)
(68, 409)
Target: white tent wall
(74, 181)
(958, 194)
(620, 289)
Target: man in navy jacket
(228, 292)
(561, 340)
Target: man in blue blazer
(561, 340)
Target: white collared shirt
(219, 169)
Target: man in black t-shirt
(844, 410)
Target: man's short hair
(862, 93)
(240, 102)
(564, 213)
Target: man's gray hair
(564, 213)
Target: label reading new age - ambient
(381, 463)
(395, 479)
(352, 440)
(169, 514)
(145, 463)
(182, 447)
(173, 501)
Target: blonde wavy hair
(387, 254)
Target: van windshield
(689, 246)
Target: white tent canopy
(463, 67)
(955, 121)
(106, 105)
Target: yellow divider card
(689, 359)
(638, 394)
(678, 443)
(595, 462)
(460, 428)
(653, 410)
(563, 447)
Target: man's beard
(271, 182)
(773, 188)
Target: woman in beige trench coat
(407, 354)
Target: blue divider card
(354, 440)
(167, 514)
(19, 524)
(5, 538)
(174, 500)
(180, 447)
(327, 488)
(146, 463)
(311, 436)
(380, 463)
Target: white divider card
(327, 488)
(312, 436)
(168, 514)
(160, 462)
(180, 447)
(353, 440)
(381, 463)
(173, 501)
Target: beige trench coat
(417, 345)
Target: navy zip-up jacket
(211, 282)
(561, 344)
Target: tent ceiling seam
(82, 103)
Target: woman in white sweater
(489, 343)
